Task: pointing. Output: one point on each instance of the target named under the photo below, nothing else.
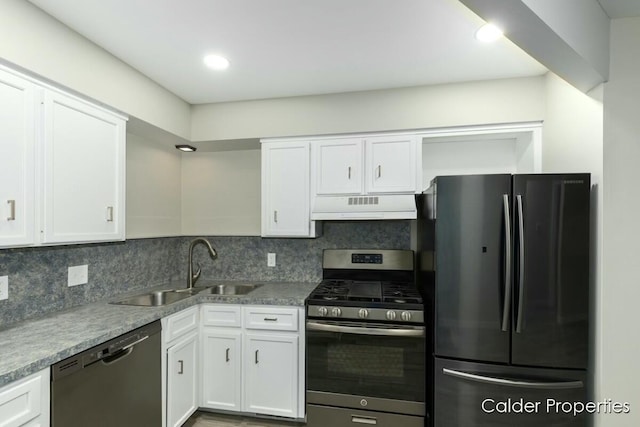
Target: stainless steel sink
(155, 299)
(231, 289)
(160, 298)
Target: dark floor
(208, 419)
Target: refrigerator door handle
(506, 305)
(521, 263)
(513, 383)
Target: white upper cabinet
(339, 166)
(62, 166)
(17, 161)
(365, 165)
(285, 190)
(390, 164)
(84, 160)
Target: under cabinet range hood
(364, 207)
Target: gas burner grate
(332, 290)
(400, 293)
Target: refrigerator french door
(511, 294)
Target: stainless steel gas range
(365, 337)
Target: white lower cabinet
(221, 369)
(182, 380)
(25, 403)
(252, 360)
(180, 366)
(271, 374)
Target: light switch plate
(4, 287)
(78, 275)
(271, 259)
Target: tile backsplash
(38, 276)
(245, 258)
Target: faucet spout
(193, 277)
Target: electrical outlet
(4, 287)
(271, 259)
(78, 275)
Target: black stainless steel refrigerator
(505, 260)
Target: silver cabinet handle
(513, 383)
(275, 216)
(109, 213)
(257, 357)
(379, 171)
(270, 319)
(364, 420)
(181, 368)
(349, 172)
(12, 210)
(506, 306)
(417, 331)
(521, 271)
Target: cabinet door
(285, 190)
(221, 364)
(17, 164)
(182, 380)
(339, 166)
(26, 401)
(391, 164)
(84, 149)
(271, 374)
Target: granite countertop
(31, 346)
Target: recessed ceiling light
(488, 33)
(216, 62)
(185, 147)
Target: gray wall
(620, 293)
(38, 276)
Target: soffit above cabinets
(620, 8)
(283, 48)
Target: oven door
(366, 365)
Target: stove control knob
(391, 315)
(322, 311)
(336, 312)
(363, 313)
(406, 316)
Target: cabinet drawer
(221, 315)
(180, 323)
(24, 400)
(271, 318)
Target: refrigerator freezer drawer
(483, 395)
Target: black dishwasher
(117, 383)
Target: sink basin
(155, 299)
(231, 289)
(160, 298)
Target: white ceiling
(621, 8)
(281, 48)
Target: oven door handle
(417, 331)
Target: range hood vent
(363, 200)
(391, 206)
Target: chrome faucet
(193, 277)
